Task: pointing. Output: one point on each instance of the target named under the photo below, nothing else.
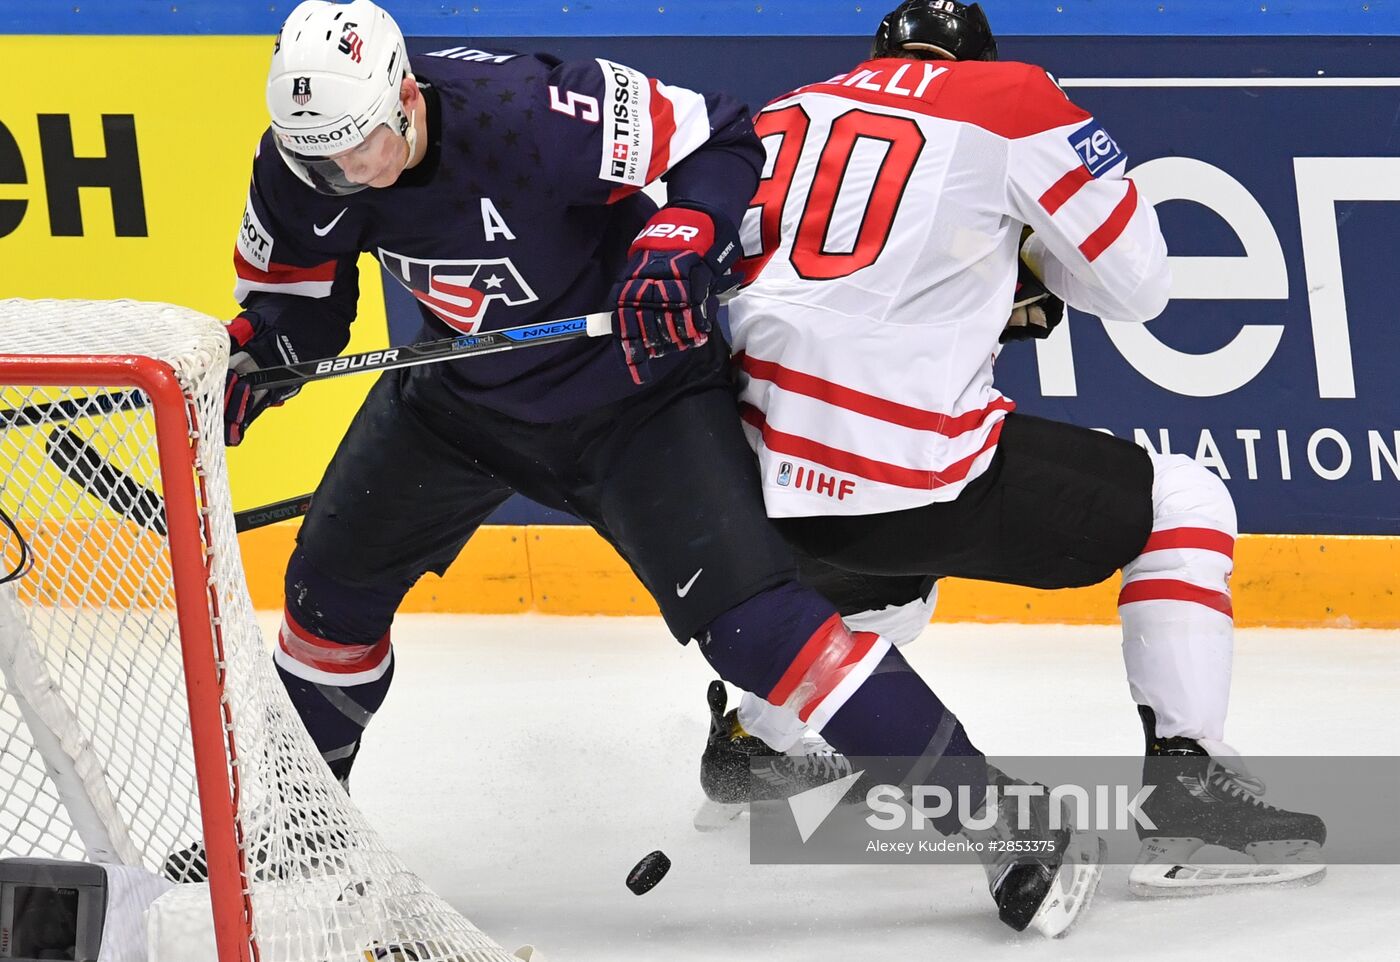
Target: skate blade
(1075, 885)
(714, 816)
(1288, 864)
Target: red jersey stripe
(663, 128)
(329, 656)
(1111, 229)
(282, 273)
(814, 646)
(1206, 539)
(862, 642)
(241, 329)
(863, 467)
(882, 409)
(1065, 188)
(1169, 589)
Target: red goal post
(215, 755)
(140, 712)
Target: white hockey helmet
(336, 73)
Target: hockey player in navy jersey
(867, 345)
(501, 189)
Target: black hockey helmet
(936, 29)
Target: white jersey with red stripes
(882, 245)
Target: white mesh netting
(93, 678)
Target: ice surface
(522, 765)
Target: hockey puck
(646, 873)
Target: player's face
(377, 161)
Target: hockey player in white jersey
(908, 207)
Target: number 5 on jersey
(863, 165)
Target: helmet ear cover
(935, 30)
(336, 76)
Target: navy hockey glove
(1035, 311)
(252, 344)
(675, 268)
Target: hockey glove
(675, 268)
(252, 345)
(1035, 311)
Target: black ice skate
(729, 781)
(1040, 878)
(1199, 801)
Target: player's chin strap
(410, 138)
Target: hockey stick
(286, 375)
(83, 464)
(271, 513)
(430, 352)
(34, 415)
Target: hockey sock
(791, 646)
(1178, 626)
(335, 658)
(780, 728)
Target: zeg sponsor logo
(1096, 148)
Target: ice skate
(725, 773)
(1046, 890)
(1204, 800)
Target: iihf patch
(1096, 148)
(785, 473)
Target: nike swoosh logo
(682, 591)
(323, 231)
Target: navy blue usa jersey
(521, 210)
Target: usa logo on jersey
(1096, 148)
(459, 292)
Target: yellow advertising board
(124, 165)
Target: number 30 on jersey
(862, 168)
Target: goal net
(141, 720)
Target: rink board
(1280, 581)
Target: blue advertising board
(1275, 165)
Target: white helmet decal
(335, 77)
